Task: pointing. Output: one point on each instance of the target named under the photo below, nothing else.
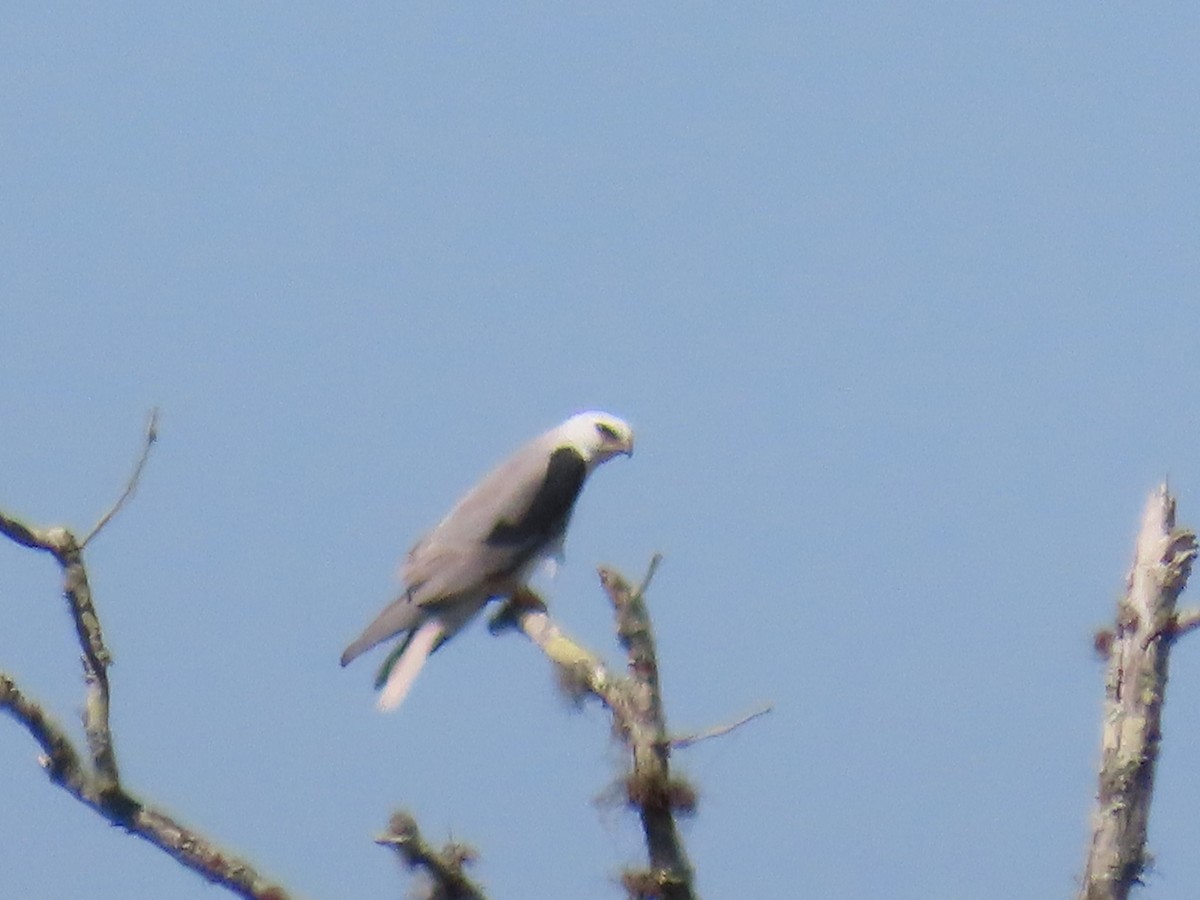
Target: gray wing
(484, 541)
(500, 524)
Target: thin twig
(655, 562)
(687, 740)
(131, 485)
(1186, 620)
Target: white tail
(408, 666)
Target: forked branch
(635, 703)
(96, 781)
(444, 868)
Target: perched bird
(488, 545)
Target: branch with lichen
(444, 868)
(1137, 651)
(635, 703)
(96, 781)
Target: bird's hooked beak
(617, 446)
(615, 436)
(622, 445)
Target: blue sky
(900, 299)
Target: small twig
(444, 867)
(655, 562)
(1185, 621)
(131, 485)
(687, 740)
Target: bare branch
(96, 658)
(131, 485)
(685, 741)
(61, 544)
(635, 704)
(25, 535)
(444, 868)
(108, 798)
(98, 785)
(581, 671)
(60, 761)
(1135, 688)
(670, 873)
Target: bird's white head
(597, 436)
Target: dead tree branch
(96, 782)
(1135, 688)
(635, 703)
(444, 868)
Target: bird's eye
(607, 431)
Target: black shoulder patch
(551, 506)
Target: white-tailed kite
(489, 544)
